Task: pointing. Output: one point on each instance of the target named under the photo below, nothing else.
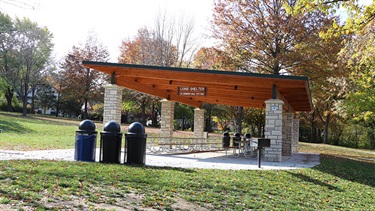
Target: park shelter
(280, 95)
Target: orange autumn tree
(260, 36)
(80, 83)
(146, 49)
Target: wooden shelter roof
(210, 86)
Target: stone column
(273, 129)
(167, 117)
(198, 123)
(112, 103)
(287, 133)
(295, 140)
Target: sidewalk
(207, 160)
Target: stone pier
(295, 140)
(199, 123)
(112, 103)
(167, 116)
(287, 133)
(273, 130)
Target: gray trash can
(85, 144)
(135, 144)
(236, 137)
(225, 140)
(110, 143)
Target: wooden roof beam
(158, 93)
(277, 94)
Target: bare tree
(169, 42)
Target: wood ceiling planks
(222, 87)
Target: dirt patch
(130, 202)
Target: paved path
(208, 160)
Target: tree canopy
(81, 83)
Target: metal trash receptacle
(225, 140)
(135, 144)
(85, 143)
(236, 137)
(110, 143)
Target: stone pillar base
(295, 141)
(287, 133)
(167, 117)
(198, 123)
(112, 103)
(273, 130)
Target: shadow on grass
(43, 119)
(79, 178)
(348, 169)
(314, 181)
(11, 126)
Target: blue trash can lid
(112, 127)
(136, 128)
(87, 125)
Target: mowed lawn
(345, 179)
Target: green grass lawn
(345, 180)
(36, 132)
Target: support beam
(149, 89)
(276, 94)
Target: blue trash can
(85, 145)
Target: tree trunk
(24, 99)
(85, 113)
(9, 96)
(143, 106)
(58, 105)
(32, 111)
(154, 116)
(239, 119)
(326, 124)
(312, 132)
(208, 126)
(24, 106)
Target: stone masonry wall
(112, 103)
(287, 133)
(198, 123)
(295, 140)
(167, 115)
(273, 129)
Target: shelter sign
(192, 91)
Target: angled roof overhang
(216, 87)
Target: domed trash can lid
(86, 126)
(112, 127)
(136, 129)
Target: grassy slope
(36, 132)
(345, 180)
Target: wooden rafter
(221, 87)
